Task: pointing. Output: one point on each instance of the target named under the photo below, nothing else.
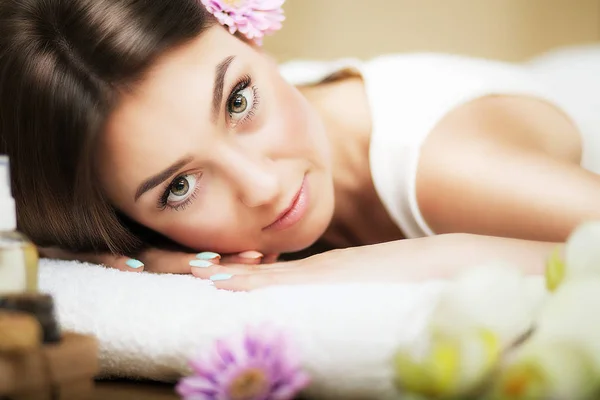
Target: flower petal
(203, 370)
(496, 297)
(290, 388)
(582, 251)
(193, 385)
(250, 345)
(253, 18)
(225, 352)
(264, 349)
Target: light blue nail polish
(207, 255)
(220, 277)
(201, 263)
(133, 263)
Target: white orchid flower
(450, 366)
(562, 359)
(546, 369)
(484, 311)
(571, 314)
(582, 256)
(495, 297)
(481, 317)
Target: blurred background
(510, 30)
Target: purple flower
(253, 18)
(259, 364)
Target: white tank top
(409, 94)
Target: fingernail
(133, 263)
(201, 263)
(220, 277)
(208, 255)
(251, 254)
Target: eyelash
(163, 200)
(244, 82)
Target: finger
(247, 277)
(209, 271)
(173, 262)
(246, 282)
(121, 263)
(108, 260)
(246, 257)
(167, 261)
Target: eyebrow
(162, 176)
(220, 72)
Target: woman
(147, 129)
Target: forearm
(446, 256)
(402, 261)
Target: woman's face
(213, 147)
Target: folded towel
(149, 325)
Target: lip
(294, 212)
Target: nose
(253, 176)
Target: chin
(299, 244)
(311, 231)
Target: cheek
(201, 229)
(214, 238)
(301, 127)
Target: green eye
(238, 104)
(180, 187)
(180, 191)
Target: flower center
(524, 381)
(249, 384)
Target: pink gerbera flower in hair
(253, 18)
(259, 364)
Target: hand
(376, 263)
(162, 261)
(412, 260)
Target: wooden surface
(130, 390)
(65, 369)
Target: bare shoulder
(527, 122)
(491, 167)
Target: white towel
(148, 325)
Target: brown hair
(63, 64)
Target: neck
(359, 217)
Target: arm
(411, 260)
(508, 167)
